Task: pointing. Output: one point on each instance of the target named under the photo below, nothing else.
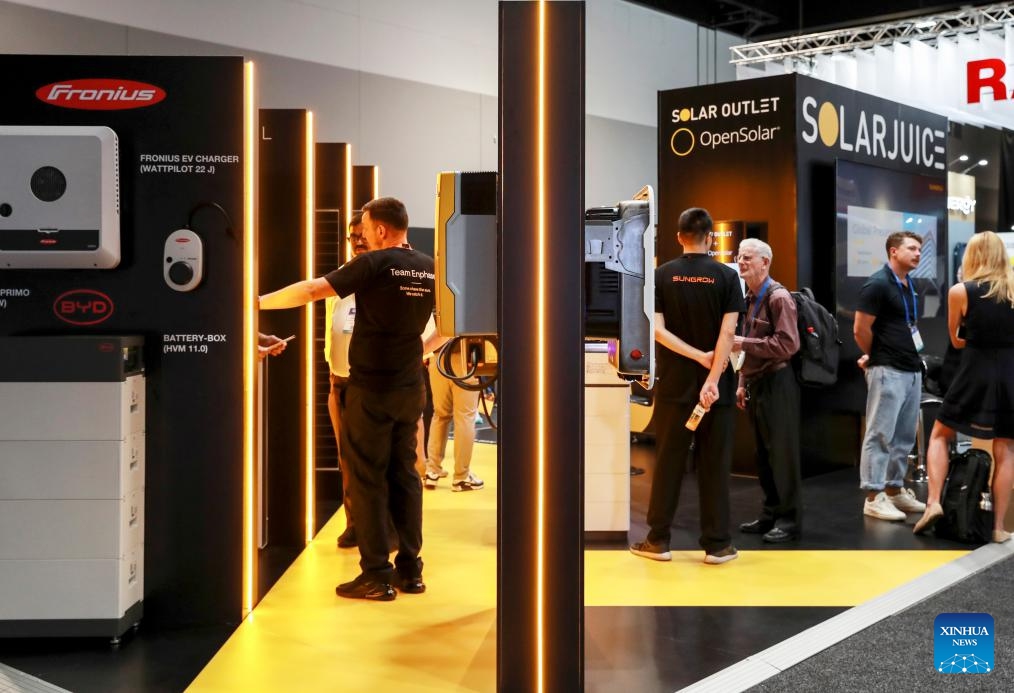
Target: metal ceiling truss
(927, 28)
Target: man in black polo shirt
(384, 398)
(697, 303)
(887, 332)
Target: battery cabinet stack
(71, 486)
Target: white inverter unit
(59, 197)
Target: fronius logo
(100, 94)
(875, 135)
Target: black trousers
(378, 435)
(774, 412)
(338, 385)
(713, 460)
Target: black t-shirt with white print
(394, 300)
(693, 293)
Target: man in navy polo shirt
(886, 330)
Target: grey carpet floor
(896, 654)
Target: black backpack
(816, 362)
(964, 518)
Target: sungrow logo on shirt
(693, 280)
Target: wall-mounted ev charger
(59, 197)
(183, 256)
(183, 266)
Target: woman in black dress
(980, 401)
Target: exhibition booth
(823, 174)
(174, 478)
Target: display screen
(872, 203)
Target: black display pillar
(282, 214)
(365, 185)
(541, 443)
(333, 209)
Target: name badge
(917, 339)
(350, 321)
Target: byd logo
(83, 307)
(100, 94)
(986, 75)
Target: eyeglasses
(354, 237)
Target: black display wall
(365, 185)
(281, 221)
(180, 164)
(333, 192)
(730, 148)
(763, 152)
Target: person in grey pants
(887, 331)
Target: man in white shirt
(341, 317)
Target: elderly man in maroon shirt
(769, 393)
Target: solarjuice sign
(877, 135)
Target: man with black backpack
(769, 393)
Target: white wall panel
(28, 30)
(932, 77)
(619, 158)
(866, 72)
(411, 128)
(413, 132)
(632, 52)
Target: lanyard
(760, 297)
(901, 288)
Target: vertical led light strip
(376, 181)
(249, 338)
(541, 358)
(348, 202)
(308, 344)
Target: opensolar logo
(963, 644)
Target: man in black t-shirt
(384, 398)
(697, 303)
(886, 330)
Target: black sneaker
(725, 555)
(656, 552)
(758, 526)
(366, 588)
(411, 584)
(347, 540)
(780, 535)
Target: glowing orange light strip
(308, 343)
(541, 356)
(348, 201)
(376, 181)
(249, 339)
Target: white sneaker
(430, 479)
(882, 508)
(906, 502)
(469, 483)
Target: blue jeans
(892, 414)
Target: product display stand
(72, 432)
